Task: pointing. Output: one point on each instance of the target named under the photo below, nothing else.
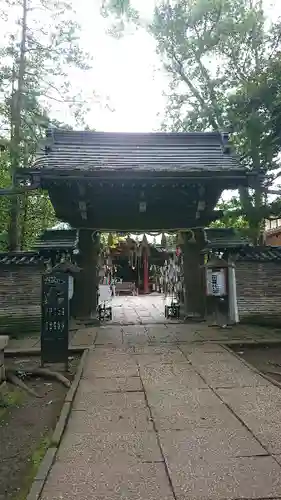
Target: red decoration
(145, 273)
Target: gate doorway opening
(140, 310)
(140, 275)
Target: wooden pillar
(145, 272)
(86, 282)
(194, 282)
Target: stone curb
(251, 342)
(49, 458)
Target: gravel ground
(25, 428)
(266, 358)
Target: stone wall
(259, 291)
(20, 297)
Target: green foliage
(225, 75)
(122, 15)
(233, 215)
(223, 58)
(40, 46)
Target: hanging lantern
(163, 241)
(144, 242)
(180, 239)
(145, 245)
(139, 251)
(131, 256)
(110, 240)
(191, 236)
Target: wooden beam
(239, 176)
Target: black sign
(55, 318)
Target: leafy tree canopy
(40, 44)
(223, 58)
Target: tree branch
(194, 91)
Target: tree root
(44, 373)
(13, 379)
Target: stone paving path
(141, 319)
(164, 421)
(142, 309)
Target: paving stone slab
(197, 408)
(188, 338)
(138, 482)
(259, 408)
(116, 384)
(110, 419)
(156, 349)
(218, 336)
(228, 372)
(182, 446)
(249, 478)
(164, 336)
(200, 357)
(83, 337)
(132, 338)
(134, 329)
(277, 458)
(110, 368)
(91, 402)
(103, 341)
(107, 351)
(109, 335)
(162, 358)
(185, 418)
(202, 347)
(110, 448)
(106, 359)
(190, 396)
(165, 376)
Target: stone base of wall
(21, 321)
(3, 343)
(262, 320)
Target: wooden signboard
(55, 318)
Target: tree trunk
(15, 151)
(24, 222)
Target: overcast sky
(127, 70)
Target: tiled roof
(21, 258)
(225, 238)
(58, 239)
(259, 254)
(196, 151)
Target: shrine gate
(134, 182)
